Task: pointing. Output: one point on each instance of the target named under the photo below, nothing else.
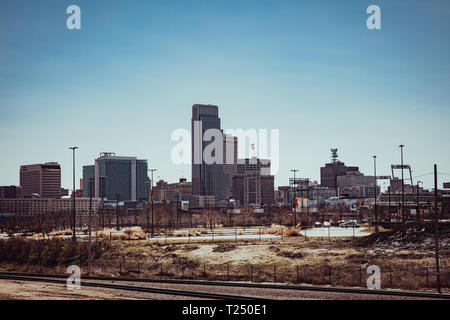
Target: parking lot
(334, 232)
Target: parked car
(327, 224)
(317, 225)
(349, 224)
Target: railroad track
(57, 279)
(386, 292)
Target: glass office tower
(125, 176)
(206, 179)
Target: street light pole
(293, 197)
(147, 210)
(403, 186)
(117, 210)
(90, 225)
(74, 237)
(436, 231)
(375, 184)
(102, 186)
(152, 170)
(389, 195)
(307, 200)
(417, 200)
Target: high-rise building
(253, 164)
(230, 166)
(111, 175)
(89, 176)
(207, 179)
(253, 183)
(41, 179)
(329, 173)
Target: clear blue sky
(312, 69)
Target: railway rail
(196, 294)
(56, 277)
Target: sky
(312, 69)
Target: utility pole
(117, 210)
(103, 185)
(436, 230)
(417, 200)
(293, 197)
(403, 186)
(178, 208)
(90, 225)
(152, 170)
(375, 184)
(74, 237)
(389, 195)
(307, 200)
(148, 210)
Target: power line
(423, 175)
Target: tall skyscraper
(207, 179)
(230, 165)
(112, 174)
(42, 179)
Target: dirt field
(322, 261)
(19, 290)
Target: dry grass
(132, 233)
(190, 233)
(292, 232)
(37, 236)
(281, 231)
(195, 233)
(186, 233)
(66, 232)
(372, 229)
(319, 261)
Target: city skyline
(272, 65)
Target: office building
(43, 180)
(353, 178)
(207, 179)
(43, 206)
(356, 185)
(197, 201)
(253, 183)
(10, 192)
(116, 175)
(329, 173)
(230, 166)
(172, 192)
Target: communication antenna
(334, 155)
